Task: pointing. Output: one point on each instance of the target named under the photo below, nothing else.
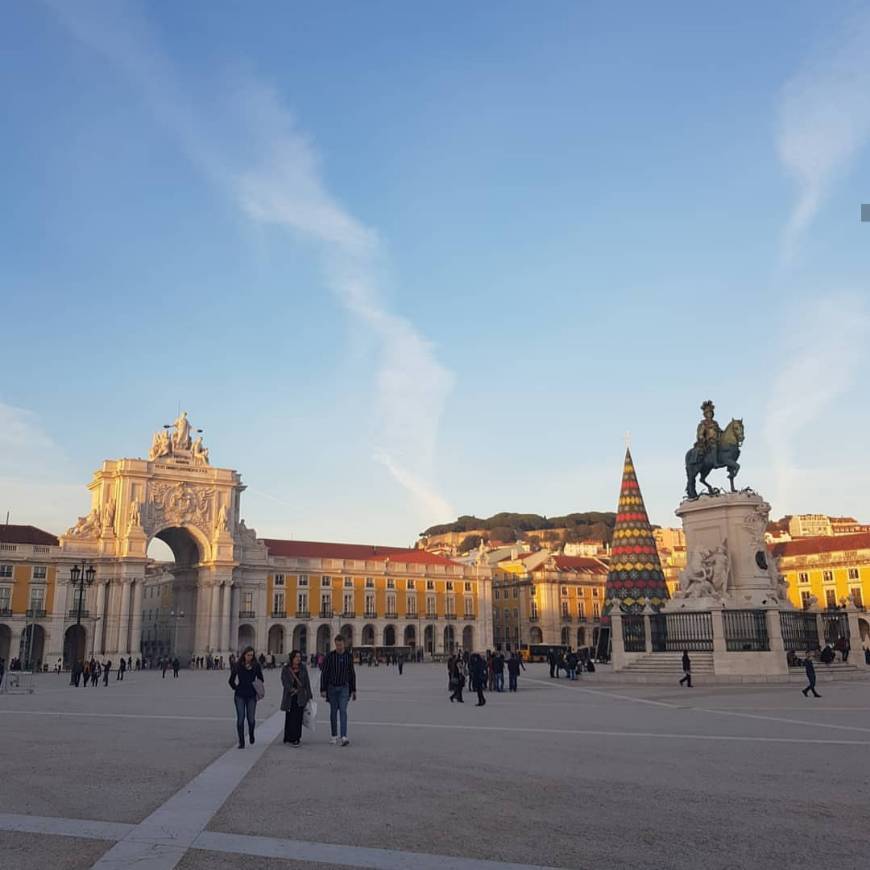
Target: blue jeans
(337, 698)
(245, 708)
(512, 682)
(499, 682)
(572, 673)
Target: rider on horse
(707, 442)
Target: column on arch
(98, 645)
(124, 617)
(225, 637)
(136, 622)
(214, 620)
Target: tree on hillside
(469, 543)
(505, 534)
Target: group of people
(207, 662)
(482, 672)
(571, 661)
(337, 687)
(89, 672)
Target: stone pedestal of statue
(728, 561)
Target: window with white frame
(449, 585)
(348, 602)
(451, 605)
(828, 576)
(468, 586)
(496, 594)
(805, 598)
(412, 584)
(411, 604)
(430, 605)
(533, 610)
(581, 608)
(596, 609)
(302, 602)
(326, 601)
(278, 603)
(469, 606)
(248, 601)
(348, 582)
(856, 596)
(5, 598)
(565, 609)
(595, 593)
(430, 585)
(325, 581)
(370, 604)
(303, 580)
(279, 579)
(39, 572)
(854, 574)
(803, 577)
(564, 590)
(391, 602)
(370, 582)
(831, 598)
(516, 592)
(391, 583)
(5, 570)
(37, 597)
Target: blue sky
(403, 261)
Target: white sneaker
(333, 741)
(344, 741)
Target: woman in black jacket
(241, 682)
(297, 693)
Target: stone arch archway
(368, 635)
(323, 639)
(429, 640)
(410, 636)
(347, 634)
(31, 649)
(390, 635)
(5, 643)
(300, 639)
(449, 639)
(535, 635)
(75, 645)
(275, 640)
(468, 638)
(863, 630)
(247, 637)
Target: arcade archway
(410, 636)
(31, 650)
(75, 645)
(5, 643)
(276, 640)
(390, 635)
(468, 638)
(323, 639)
(300, 639)
(347, 634)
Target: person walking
(122, 667)
(401, 664)
(164, 666)
(551, 660)
(245, 696)
(297, 693)
(107, 670)
(571, 662)
(514, 663)
(477, 666)
(176, 665)
(498, 669)
(810, 668)
(687, 669)
(338, 686)
(454, 677)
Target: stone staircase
(669, 665)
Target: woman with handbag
(297, 694)
(246, 681)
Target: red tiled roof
(359, 552)
(26, 535)
(823, 544)
(588, 564)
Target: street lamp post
(80, 578)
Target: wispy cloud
(250, 145)
(825, 356)
(824, 121)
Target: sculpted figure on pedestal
(247, 536)
(713, 448)
(200, 453)
(109, 515)
(86, 527)
(135, 519)
(720, 569)
(223, 522)
(181, 438)
(160, 445)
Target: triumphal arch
(175, 495)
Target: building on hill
(29, 605)
(833, 568)
(596, 549)
(547, 599)
(847, 526)
(809, 526)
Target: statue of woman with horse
(714, 448)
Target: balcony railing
(246, 614)
(450, 616)
(36, 614)
(74, 613)
(326, 614)
(391, 614)
(370, 614)
(278, 614)
(431, 616)
(533, 617)
(6, 611)
(348, 614)
(303, 614)
(470, 616)
(566, 617)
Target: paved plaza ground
(571, 775)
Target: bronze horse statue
(724, 456)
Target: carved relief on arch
(178, 504)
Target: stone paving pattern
(586, 774)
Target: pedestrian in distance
(122, 667)
(107, 670)
(176, 665)
(338, 686)
(551, 660)
(498, 664)
(687, 669)
(514, 663)
(297, 693)
(810, 668)
(401, 664)
(164, 665)
(455, 678)
(246, 681)
(477, 666)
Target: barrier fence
(745, 630)
(799, 630)
(633, 633)
(675, 632)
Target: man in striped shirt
(338, 685)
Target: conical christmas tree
(635, 573)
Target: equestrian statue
(714, 448)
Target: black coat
(303, 688)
